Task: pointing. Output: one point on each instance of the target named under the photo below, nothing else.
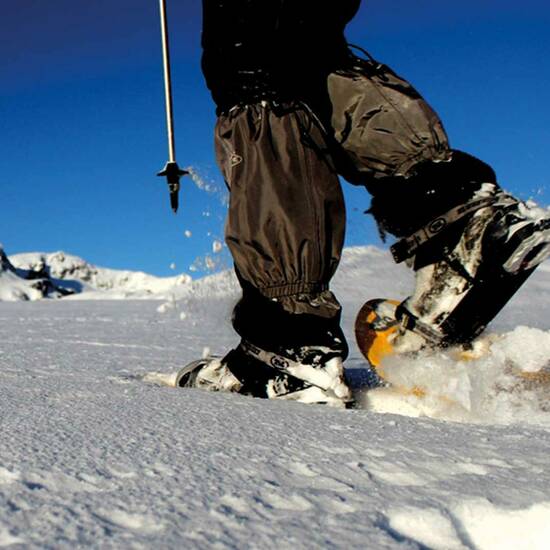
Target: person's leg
(285, 230)
(471, 244)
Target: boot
(311, 376)
(209, 373)
(462, 283)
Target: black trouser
(286, 220)
(285, 225)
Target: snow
(509, 382)
(98, 450)
(14, 288)
(88, 281)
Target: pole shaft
(167, 81)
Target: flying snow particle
(172, 265)
(187, 233)
(200, 182)
(217, 246)
(209, 263)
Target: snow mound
(507, 383)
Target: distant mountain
(18, 283)
(37, 275)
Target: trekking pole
(171, 170)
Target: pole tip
(173, 173)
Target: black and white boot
(455, 297)
(469, 260)
(313, 375)
(309, 374)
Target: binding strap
(407, 247)
(411, 322)
(323, 376)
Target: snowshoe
(378, 326)
(378, 331)
(375, 325)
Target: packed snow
(98, 450)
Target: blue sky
(83, 127)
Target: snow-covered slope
(86, 281)
(97, 453)
(91, 282)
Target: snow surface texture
(98, 451)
